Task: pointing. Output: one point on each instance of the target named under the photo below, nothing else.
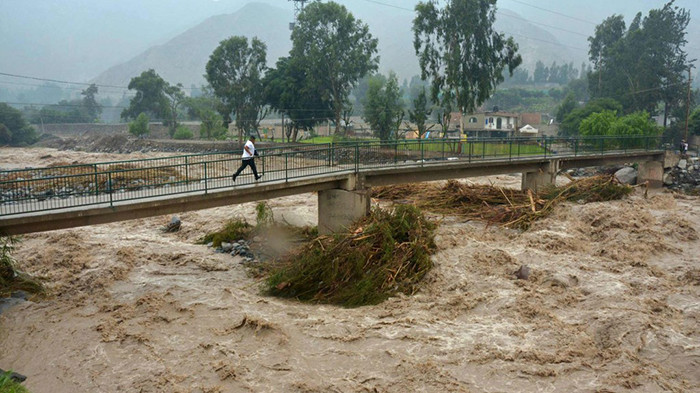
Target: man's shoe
(234, 178)
(258, 178)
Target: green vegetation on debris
(11, 279)
(7, 385)
(386, 253)
(234, 230)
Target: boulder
(682, 164)
(668, 178)
(174, 225)
(626, 175)
(523, 273)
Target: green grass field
(476, 148)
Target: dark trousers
(248, 162)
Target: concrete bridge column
(543, 177)
(339, 208)
(651, 171)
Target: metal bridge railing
(106, 183)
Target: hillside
(183, 58)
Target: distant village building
(491, 124)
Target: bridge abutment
(338, 209)
(652, 172)
(545, 176)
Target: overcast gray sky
(78, 39)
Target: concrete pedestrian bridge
(43, 199)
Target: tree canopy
(235, 71)
(288, 91)
(572, 121)
(643, 64)
(14, 129)
(335, 49)
(150, 96)
(460, 52)
(91, 107)
(383, 106)
(420, 113)
(608, 123)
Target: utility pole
(687, 109)
(298, 7)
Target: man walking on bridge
(248, 158)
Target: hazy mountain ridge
(79, 39)
(183, 58)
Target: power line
(62, 105)
(554, 12)
(60, 81)
(76, 83)
(49, 86)
(543, 24)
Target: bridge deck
(53, 198)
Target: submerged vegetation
(512, 208)
(8, 385)
(387, 252)
(234, 230)
(11, 279)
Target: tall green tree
(420, 113)
(384, 106)
(175, 97)
(288, 91)
(235, 70)
(336, 50)
(150, 97)
(644, 64)
(90, 105)
(460, 52)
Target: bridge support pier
(651, 171)
(338, 209)
(545, 176)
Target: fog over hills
(183, 58)
(111, 41)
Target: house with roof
(495, 124)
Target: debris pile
(387, 252)
(685, 176)
(512, 208)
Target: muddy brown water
(612, 304)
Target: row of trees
(82, 110)
(638, 71)
(554, 73)
(643, 64)
(460, 55)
